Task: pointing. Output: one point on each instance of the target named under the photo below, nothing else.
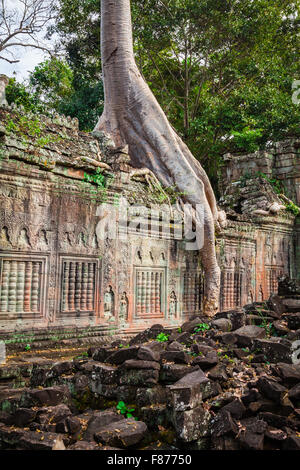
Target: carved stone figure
(123, 313)
(109, 304)
(173, 305)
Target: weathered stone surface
(175, 346)
(246, 334)
(225, 443)
(223, 424)
(22, 417)
(84, 445)
(275, 434)
(189, 326)
(146, 335)
(27, 440)
(184, 338)
(192, 424)
(60, 368)
(101, 354)
(294, 392)
(276, 305)
(276, 420)
(50, 396)
(235, 408)
(273, 350)
(104, 374)
(122, 355)
(70, 425)
(156, 416)
(137, 377)
(140, 364)
(271, 389)
(293, 320)
(146, 353)
(187, 393)
(204, 362)
(254, 425)
(125, 433)
(251, 440)
(236, 317)
(218, 373)
(98, 421)
(156, 395)
(290, 373)
(179, 357)
(222, 324)
(53, 414)
(170, 373)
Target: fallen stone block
(188, 392)
(50, 396)
(294, 393)
(146, 353)
(138, 364)
(223, 424)
(222, 324)
(22, 417)
(192, 424)
(293, 320)
(70, 425)
(206, 361)
(125, 433)
(274, 350)
(246, 334)
(189, 326)
(104, 374)
(170, 373)
(27, 440)
(122, 355)
(100, 420)
(251, 441)
(156, 395)
(137, 377)
(289, 373)
(236, 408)
(271, 389)
(179, 357)
(236, 317)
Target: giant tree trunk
(133, 116)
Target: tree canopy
(222, 70)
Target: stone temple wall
(58, 275)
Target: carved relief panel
(79, 282)
(22, 286)
(150, 297)
(192, 292)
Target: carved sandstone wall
(57, 273)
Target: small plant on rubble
(125, 410)
(201, 327)
(162, 337)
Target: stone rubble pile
(229, 383)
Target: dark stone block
(170, 373)
(179, 357)
(100, 420)
(189, 391)
(270, 389)
(235, 408)
(122, 355)
(123, 434)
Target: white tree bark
(133, 117)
